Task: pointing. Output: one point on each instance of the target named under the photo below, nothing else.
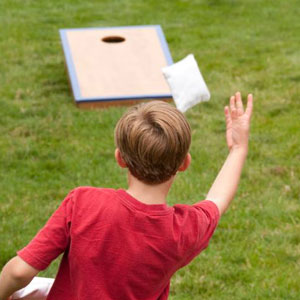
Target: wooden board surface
(128, 70)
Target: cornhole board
(116, 65)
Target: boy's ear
(119, 159)
(186, 162)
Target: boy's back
(118, 247)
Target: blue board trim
(109, 28)
(164, 44)
(120, 98)
(70, 64)
(72, 71)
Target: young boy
(121, 244)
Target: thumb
(249, 106)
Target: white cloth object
(186, 83)
(37, 289)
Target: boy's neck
(148, 194)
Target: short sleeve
(196, 225)
(210, 215)
(52, 239)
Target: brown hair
(153, 139)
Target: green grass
(48, 146)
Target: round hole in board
(113, 39)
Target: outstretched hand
(238, 121)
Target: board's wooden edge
(104, 104)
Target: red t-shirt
(116, 247)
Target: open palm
(238, 121)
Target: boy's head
(153, 139)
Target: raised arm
(237, 132)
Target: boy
(121, 244)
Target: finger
(232, 107)
(227, 115)
(249, 105)
(228, 125)
(239, 103)
(232, 102)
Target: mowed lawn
(48, 146)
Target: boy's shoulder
(89, 201)
(92, 189)
(91, 193)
